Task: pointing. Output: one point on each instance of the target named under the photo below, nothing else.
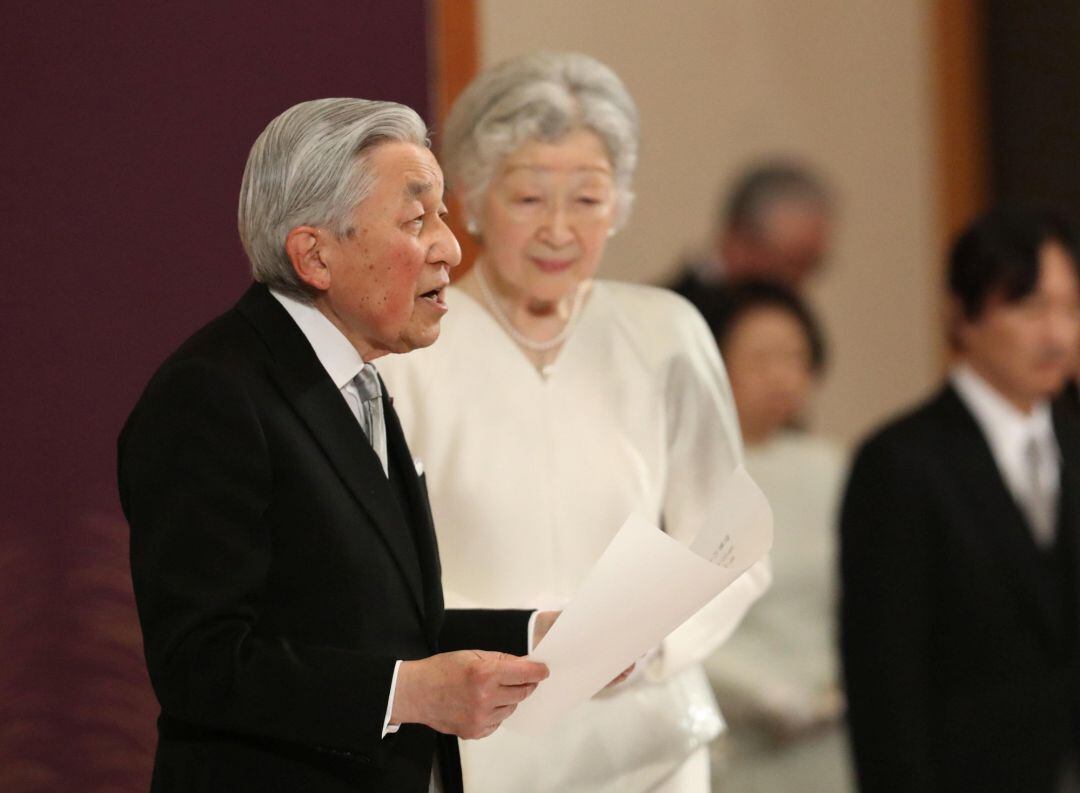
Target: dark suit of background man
(960, 541)
(282, 550)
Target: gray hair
(543, 96)
(310, 167)
(763, 186)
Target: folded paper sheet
(644, 586)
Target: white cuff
(387, 727)
(532, 626)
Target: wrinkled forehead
(423, 187)
(407, 170)
(580, 152)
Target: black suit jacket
(958, 633)
(278, 572)
(712, 299)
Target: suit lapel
(423, 526)
(1000, 520)
(1068, 437)
(307, 387)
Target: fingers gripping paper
(644, 586)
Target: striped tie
(371, 413)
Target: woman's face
(546, 216)
(768, 359)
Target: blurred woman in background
(554, 405)
(777, 677)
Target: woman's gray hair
(309, 167)
(543, 96)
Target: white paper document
(642, 588)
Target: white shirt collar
(335, 352)
(1005, 426)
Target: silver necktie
(1040, 500)
(371, 414)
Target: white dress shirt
(1010, 432)
(340, 360)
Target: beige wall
(844, 85)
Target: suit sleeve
(501, 630)
(196, 477)
(885, 621)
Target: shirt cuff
(387, 727)
(529, 636)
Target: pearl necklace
(517, 335)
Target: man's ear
(306, 247)
(956, 323)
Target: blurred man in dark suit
(282, 549)
(960, 540)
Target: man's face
(1025, 349)
(388, 275)
(789, 246)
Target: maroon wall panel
(128, 125)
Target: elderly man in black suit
(282, 547)
(960, 541)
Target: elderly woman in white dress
(554, 405)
